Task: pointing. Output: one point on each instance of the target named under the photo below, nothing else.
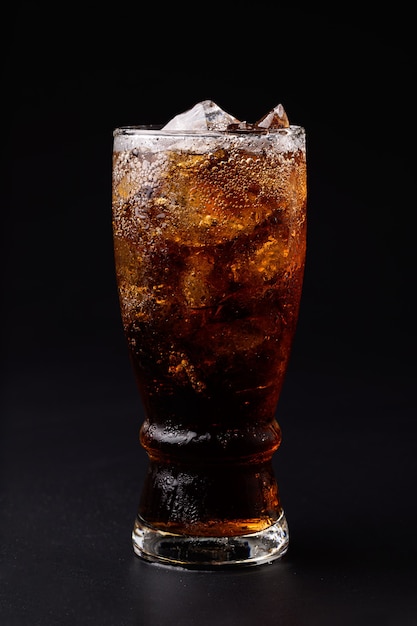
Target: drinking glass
(210, 240)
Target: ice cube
(205, 115)
(277, 118)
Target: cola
(209, 233)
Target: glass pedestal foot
(188, 551)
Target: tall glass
(210, 240)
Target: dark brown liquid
(210, 264)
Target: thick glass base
(187, 551)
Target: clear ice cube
(277, 118)
(205, 115)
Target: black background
(71, 465)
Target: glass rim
(158, 130)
